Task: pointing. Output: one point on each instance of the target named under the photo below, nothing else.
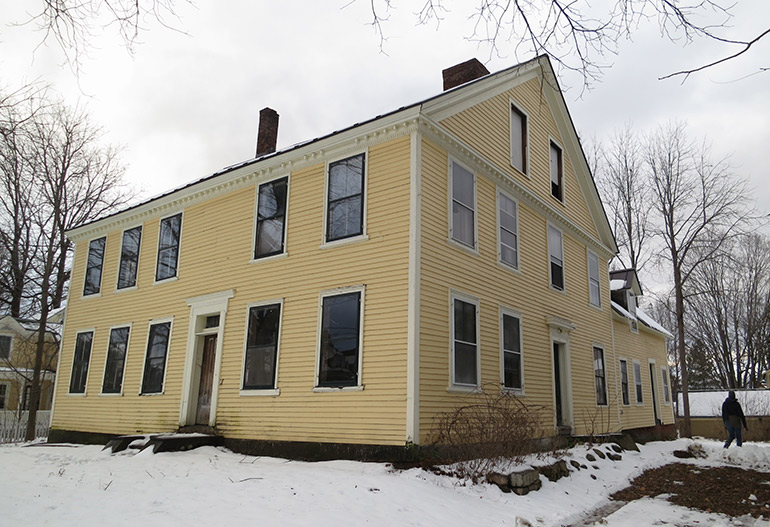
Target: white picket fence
(13, 425)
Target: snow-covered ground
(84, 486)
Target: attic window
(5, 347)
(557, 185)
(518, 139)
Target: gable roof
(401, 120)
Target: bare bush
(492, 430)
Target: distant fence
(13, 425)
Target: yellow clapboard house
(350, 289)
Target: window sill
(270, 258)
(92, 295)
(464, 389)
(154, 394)
(274, 392)
(166, 280)
(561, 291)
(332, 389)
(126, 289)
(594, 306)
(76, 394)
(344, 241)
(509, 267)
(111, 394)
(466, 248)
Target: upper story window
(463, 222)
(511, 351)
(556, 258)
(465, 343)
(271, 218)
(345, 201)
(80, 362)
(168, 247)
(557, 171)
(261, 361)
(155, 359)
(519, 139)
(340, 339)
(129, 257)
(116, 359)
(624, 381)
(594, 287)
(6, 342)
(508, 230)
(600, 377)
(93, 282)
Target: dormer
(624, 290)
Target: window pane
(270, 237)
(557, 275)
(465, 321)
(462, 224)
(512, 373)
(462, 186)
(80, 362)
(129, 257)
(155, 360)
(94, 266)
(465, 363)
(262, 347)
(340, 336)
(168, 247)
(346, 177)
(554, 243)
(518, 139)
(116, 356)
(345, 218)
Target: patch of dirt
(724, 490)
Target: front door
(206, 380)
(557, 385)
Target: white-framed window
(664, 379)
(129, 257)
(6, 347)
(270, 229)
(462, 226)
(638, 382)
(600, 377)
(94, 264)
(169, 239)
(624, 382)
(519, 138)
(263, 336)
(345, 198)
(154, 371)
(594, 287)
(465, 367)
(117, 350)
(5, 393)
(557, 171)
(511, 362)
(508, 229)
(80, 361)
(340, 338)
(556, 258)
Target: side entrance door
(206, 385)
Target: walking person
(732, 415)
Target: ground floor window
(664, 378)
(116, 358)
(511, 344)
(261, 361)
(600, 377)
(638, 382)
(4, 392)
(155, 359)
(80, 362)
(624, 381)
(465, 342)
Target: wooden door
(206, 384)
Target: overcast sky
(187, 104)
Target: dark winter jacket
(732, 412)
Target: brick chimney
(267, 137)
(462, 73)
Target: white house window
(129, 257)
(261, 363)
(465, 347)
(463, 205)
(664, 378)
(168, 247)
(518, 139)
(339, 357)
(80, 362)
(594, 288)
(94, 266)
(508, 230)
(511, 351)
(5, 347)
(3, 396)
(116, 359)
(345, 206)
(556, 258)
(600, 377)
(155, 358)
(638, 382)
(556, 164)
(624, 382)
(271, 218)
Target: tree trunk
(686, 428)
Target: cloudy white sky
(186, 103)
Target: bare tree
(700, 204)
(623, 184)
(579, 35)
